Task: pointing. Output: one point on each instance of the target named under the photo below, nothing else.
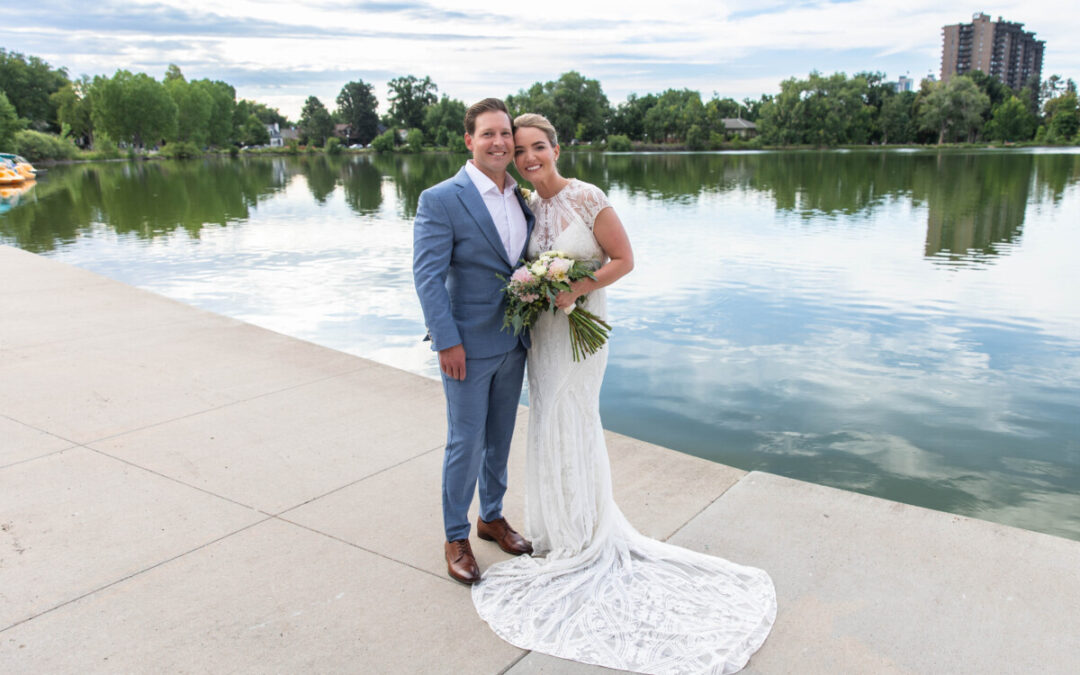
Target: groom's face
(492, 145)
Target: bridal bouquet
(532, 289)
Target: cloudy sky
(281, 52)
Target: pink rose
(558, 268)
(521, 275)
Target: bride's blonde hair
(537, 122)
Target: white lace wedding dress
(602, 593)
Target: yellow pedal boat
(15, 169)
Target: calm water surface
(903, 324)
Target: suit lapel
(530, 220)
(475, 207)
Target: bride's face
(534, 156)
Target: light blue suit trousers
(458, 258)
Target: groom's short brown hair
(481, 107)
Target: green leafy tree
(219, 126)
(267, 114)
(628, 118)
(173, 73)
(1063, 118)
(254, 132)
(716, 110)
(1055, 86)
(457, 143)
(580, 101)
(29, 83)
(315, 122)
(9, 122)
(675, 112)
(996, 90)
(896, 122)
(243, 109)
(73, 110)
(575, 105)
(875, 94)
(1011, 121)
(719, 108)
(194, 107)
(752, 107)
(444, 120)
(695, 138)
(819, 110)
(409, 98)
(415, 139)
(134, 109)
(954, 110)
(356, 107)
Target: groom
(469, 230)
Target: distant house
(739, 127)
(276, 140)
(290, 134)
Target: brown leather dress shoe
(460, 562)
(500, 532)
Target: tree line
(41, 105)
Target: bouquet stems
(588, 333)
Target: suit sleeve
(433, 247)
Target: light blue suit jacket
(457, 257)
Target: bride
(595, 589)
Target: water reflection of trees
(147, 199)
(974, 203)
(321, 174)
(412, 174)
(1054, 173)
(805, 182)
(362, 183)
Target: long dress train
(603, 593)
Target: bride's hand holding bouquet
(547, 284)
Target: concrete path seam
(514, 663)
(366, 550)
(358, 480)
(135, 574)
(704, 508)
(43, 456)
(177, 480)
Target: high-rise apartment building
(1000, 48)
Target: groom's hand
(452, 362)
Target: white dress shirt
(505, 210)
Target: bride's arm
(611, 236)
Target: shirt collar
(485, 184)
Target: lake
(904, 324)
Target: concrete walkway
(182, 492)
